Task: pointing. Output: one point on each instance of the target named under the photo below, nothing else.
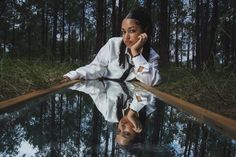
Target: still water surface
(82, 120)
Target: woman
(125, 58)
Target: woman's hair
(143, 19)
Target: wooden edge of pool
(223, 124)
(34, 94)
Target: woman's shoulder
(114, 43)
(115, 40)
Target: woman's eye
(131, 31)
(127, 134)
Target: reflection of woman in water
(129, 127)
(119, 105)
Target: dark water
(82, 121)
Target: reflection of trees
(95, 131)
(54, 127)
(172, 128)
(158, 122)
(10, 138)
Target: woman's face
(125, 133)
(130, 31)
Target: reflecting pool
(105, 118)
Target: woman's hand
(133, 118)
(142, 38)
(65, 79)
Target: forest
(193, 33)
(191, 36)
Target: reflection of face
(130, 31)
(125, 132)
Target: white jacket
(106, 65)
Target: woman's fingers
(142, 40)
(133, 118)
(143, 37)
(65, 79)
(138, 127)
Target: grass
(18, 77)
(215, 91)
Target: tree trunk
(212, 36)
(119, 18)
(226, 43)
(188, 137)
(181, 48)
(105, 23)
(197, 34)
(148, 5)
(5, 41)
(233, 48)
(204, 32)
(196, 137)
(203, 143)
(13, 39)
(177, 40)
(46, 26)
(164, 33)
(29, 41)
(95, 130)
(106, 143)
(52, 128)
(158, 119)
(54, 38)
(69, 40)
(63, 32)
(113, 18)
(99, 24)
(188, 53)
(82, 31)
(2, 6)
(43, 26)
(169, 24)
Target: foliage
(67, 30)
(22, 76)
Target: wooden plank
(223, 124)
(32, 95)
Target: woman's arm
(96, 69)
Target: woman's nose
(122, 127)
(126, 36)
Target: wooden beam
(223, 124)
(34, 94)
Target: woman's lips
(128, 43)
